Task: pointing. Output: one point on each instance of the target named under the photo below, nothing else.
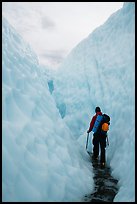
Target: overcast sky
(53, 29)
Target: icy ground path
(105, 185)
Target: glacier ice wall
(41, 161)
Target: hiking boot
(94, 158)
(102, 164)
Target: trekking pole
(87, 140)
(107, 141)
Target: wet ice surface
(105, 185)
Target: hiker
(99, 138)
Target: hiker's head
(97, 109)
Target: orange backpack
(105, 123)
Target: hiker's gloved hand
(88, 131)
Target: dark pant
(99, 140)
